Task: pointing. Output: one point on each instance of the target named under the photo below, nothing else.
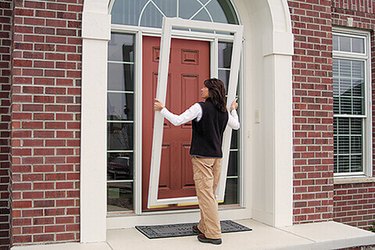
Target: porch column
(96, 23)
(277, 72)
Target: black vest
(207, 135)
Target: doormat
(179, 230)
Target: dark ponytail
(216, 93)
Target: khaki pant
(206, 178)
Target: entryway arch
(267, 139)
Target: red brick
(43, 237)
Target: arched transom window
(150, 13)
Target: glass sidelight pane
(120, 77)
(225, 54)
(121, 48)
(233, 164)
(235, 139)
(231, 192)
(120, 136)
(224, 76)
(119, 196)
(120, 107)
(120, 166)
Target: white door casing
(266, 124)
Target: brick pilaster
(5, 66)
(45, 120)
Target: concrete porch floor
(322, 235)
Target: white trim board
(168, 25)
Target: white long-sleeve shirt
(195, 111)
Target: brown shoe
(203, 239)
(196, 230)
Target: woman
(209, 120)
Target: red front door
(188, 67)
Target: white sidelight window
(352, 109)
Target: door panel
(187, 173)
(188, 67)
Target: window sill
(353, 180)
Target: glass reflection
(120, 77)
(343, 163)
(356, 163)
(121, 48)
(120, 166)
(233, 164)
(343, 144)
(224, 76)
(217, 12)
(225, 55)
(120, 106)
(129, 12)
(168, 7)
(151, 17)
(335, 43)
(120, 196)
(233, 143)
(231, 192)
(358, 45)
(344, 43)
(188, 8)
(120, 136)
(202, 15)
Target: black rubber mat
(178, 230)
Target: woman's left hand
(234, 105)
(158, 106)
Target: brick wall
(312, 110)
(46, 121)
(354, 203)
(5, 51)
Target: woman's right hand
(158, 106)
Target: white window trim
(168, 24)
(139, 32)
(367, 135)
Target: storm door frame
(167, 29)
